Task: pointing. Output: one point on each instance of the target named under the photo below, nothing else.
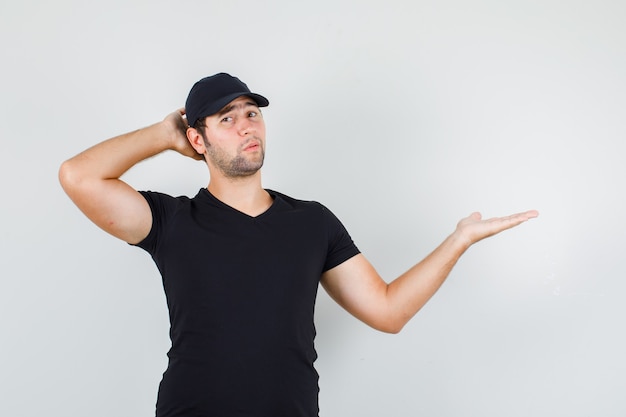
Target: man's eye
(252, 114)
(227, 119)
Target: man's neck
(243, 194)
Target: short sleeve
(162, 207)
(340, 244)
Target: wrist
(162, 135)
(461, 240)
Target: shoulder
(320, 222)
(164, 209)
(164, 205)
(311, 211)
(163, 198)
(296, 203)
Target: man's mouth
(251, 146)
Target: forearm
(407, 294)
(387, 307)
(112, 158)
(357, 287)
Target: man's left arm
(358, 288)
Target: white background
(402, 117)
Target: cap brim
(218, 105)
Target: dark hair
(200, 123)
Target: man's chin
(244, 171)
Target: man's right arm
(92, 178)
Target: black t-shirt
(241, 293)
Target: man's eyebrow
(230, 107)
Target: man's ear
(196, 140)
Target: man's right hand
(176, 126)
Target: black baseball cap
(211, 94)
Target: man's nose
(244, 126)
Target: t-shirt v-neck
(205, 194)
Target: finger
(532, 214)
(516, 219)
(526, 215)
(476, 216)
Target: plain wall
(402, 117)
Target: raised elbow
(394, 329)
(74, 178)
(68, 175)
(391, 327)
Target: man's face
(235, 138)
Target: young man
(241, 264)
